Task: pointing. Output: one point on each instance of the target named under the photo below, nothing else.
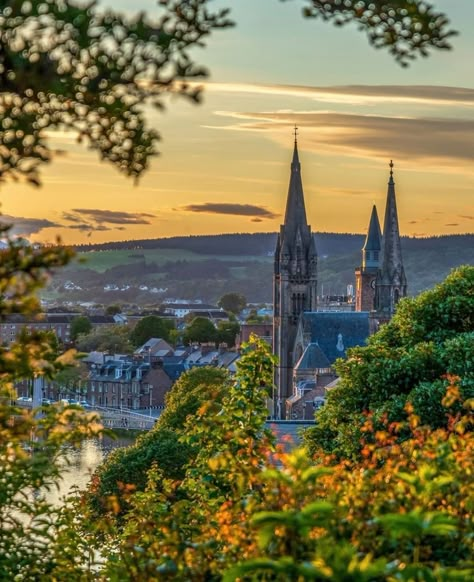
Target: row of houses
(138, 381)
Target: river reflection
(81, 464)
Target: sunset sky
(224, 164)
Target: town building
(12, 325)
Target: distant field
(100, 261)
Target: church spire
(392, 266)
(373, 243)
(391, 282)
(295, 214)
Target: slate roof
(336, 331)
(174, 369)
(313, 358)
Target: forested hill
(327, 244)
(206, 267)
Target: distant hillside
(233, 244)
(206, 267)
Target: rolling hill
(206, 267)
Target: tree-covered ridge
(208, 267)
(254, 244)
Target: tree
(113, 309)
(151, 326)
(72, 380)
(89, 71)
(33, 446)
(80, 324)
(410, 360)
(200, 330)
(106, 338)
(227, 332)
(233, 302)
(254, 317)
(162, 446)
(408, 29)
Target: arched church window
(396, 296)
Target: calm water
(82, 463)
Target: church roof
(335, 331)
(373, 240)
(313, 358)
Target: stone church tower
(391, 282)
(366, 275)
(294, 282)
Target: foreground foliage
(33, 444)
(126, 469)
(246, 510)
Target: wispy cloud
(87, 226)
(109, 216)
(26, 226)
(371, 136)
(257, 213)
(91, 220)
(467, 217)
(452, 224)
(357, 94)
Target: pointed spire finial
(391, 168)
(296, 134)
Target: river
(81, 464)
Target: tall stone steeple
(366, 275)
(294, 280)
(391, 283)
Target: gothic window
(376, 255)
(396, 296)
